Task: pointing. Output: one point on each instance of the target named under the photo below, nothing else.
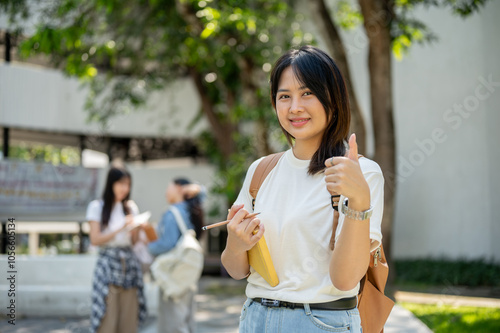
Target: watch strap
(356, 214)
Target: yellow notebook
(260, 259)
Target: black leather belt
(341, 304)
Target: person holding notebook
(318, 270)
(118, 301)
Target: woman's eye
(283, 96)
(307, 93)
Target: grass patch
(450, 319)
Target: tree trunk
(223, 130)
(377, 22)
(336, 48)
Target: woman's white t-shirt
(296, 211)
(116, 220)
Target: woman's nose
(295, 105)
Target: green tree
(390, 29)
(124, 50)
(45, 153)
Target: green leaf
(209, 29)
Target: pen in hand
(218, 224)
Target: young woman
(118, 303)
(178, 316)
(318, 283)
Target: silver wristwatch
(356, 214)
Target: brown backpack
(374, 307)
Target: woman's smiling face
(299, 111)
(121, 188)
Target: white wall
(447, 181)
(44, 99)
(62, 285)
(445, 206)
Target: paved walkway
(454, 300)
(219, 303)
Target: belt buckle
(270, 302)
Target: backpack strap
(263, 168)
(179, 219)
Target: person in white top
(118, 303)
(318, 282)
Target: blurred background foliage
(124, 50)
(56, 155)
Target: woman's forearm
(351, 255)
(97, 238)
(102, 239)
(236, 265)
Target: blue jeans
(257, 318)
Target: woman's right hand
(241, 237)
(129, 220)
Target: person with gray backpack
(178, 259)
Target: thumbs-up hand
(343, 176)
(352, 153)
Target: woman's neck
(176, 201)
(304, 151)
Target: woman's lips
(299, 122)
